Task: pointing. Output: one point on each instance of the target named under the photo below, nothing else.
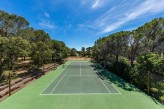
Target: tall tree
(83, 51)
(41, 54)
(17, 48)
(73, 52)
(4, 48)
(11, 24)
(60, 51)
(153, 32)
(89, 51)
(135, 42)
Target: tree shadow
(154, 100)
(112, 78)
(119, 82)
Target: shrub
(150, 62)
(162, 98)
(123, 67)
(144, 63)
(154, 90)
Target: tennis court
(79, 78)
(80, 85)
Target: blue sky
(81, 22)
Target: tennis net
(77, 66)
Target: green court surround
(30, 98)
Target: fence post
(9, 83)
(43, 69)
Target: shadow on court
(104, 74)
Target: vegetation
(85, 52)
(18, 39)
(137, 56)
(73, 52)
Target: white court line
(77, 93)
(59, 81)
(83, 94)
(105, 86)
(81, 75)
(53, 81)
(116, 89)
(80, 69)
(80, 61)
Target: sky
(79, 23)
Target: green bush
(162, 98)
(154, 90)
(150, 62)
(159, 67)
(162, 92)
(144, 63)
(122, 68)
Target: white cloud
(97, 4)
(130, 29)
(105, 17)
(145, 8)
(46, 25)
(93, 4)
(149, 6)
(46, 14)
(113, 26)
(80, 26)
(84, 26)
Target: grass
(30, 98)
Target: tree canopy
(18, 39)
(134, 54)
